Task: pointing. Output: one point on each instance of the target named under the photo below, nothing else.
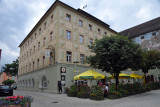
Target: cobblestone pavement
(149, 99)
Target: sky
(18, 17)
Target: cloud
(18, 17)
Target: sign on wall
(63, 74)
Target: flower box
(16, 101)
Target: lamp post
(76, 62)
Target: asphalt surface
(148, 99)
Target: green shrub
(96, 93)
(114, 95)
(84, 91)
(72, 91)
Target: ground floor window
(80, 82)
(44, 82)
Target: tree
(151, 60)
(8, 82)
(11, 69)
(114, 54)
(7, 69)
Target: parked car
(6, 91)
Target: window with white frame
(68, 34)
(44, 41)
(68, 17)
(82, 58)
(90, 41)
(44, 82)
(51, 36)
(90, 27)
(38, 45)
(80, 23)
(69, 56)
(81, 38)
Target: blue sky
(18, 17)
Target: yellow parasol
(121, 76)
(89, 75)
(135, 76)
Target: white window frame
(90, 41)
(68, 17)
(68, 34)
(81, 38)
(82, 58)
(69, 56)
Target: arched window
(23, 83)
(29, 83)
(32, 82)
(26, 83)
(44, 82)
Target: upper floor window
(99, 31)
(82, 58)
(51, 18)
(80, 23)
(44, 41)
(28, 42)
(105, 33)
(37, 63)
(142, 37)
(90, 41)
(44, 82)
(68, 17)
(90, 27)
(45, 25)
(39, 31)
(51, 36)
(31, 39)
(35, 35)
(81, 39)
(38, 45)
(68, 34)
(33, 65)
(25, 45)
(30, 52)
(43, 60)
(34, 49)
(69, 56)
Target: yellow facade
(57, 22)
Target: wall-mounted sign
(63, 74)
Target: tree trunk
(117, 80)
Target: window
(43, 60)
(142, 37)
(90, 41)
(99, 31)
(33, 65)
(153, 33)
(38, 45)
(37, 63)
(51, 36)
(34, 49)
(30, 52)
(80, 23)
(82, 58)
(31, 39)
(68, 17)
(44, 82)
(39, 31)
(29, 66)
(26, 68)
(90, 27)
(51, 18)
(33, 82)
(105, 33)
(25, 45)
(44, 41)
(28, 43)
(68, 34)
(69, 56)
(27, 54)
(81, 39)
(45, 24)
(35, 35)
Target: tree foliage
(11, 69)
(8, 82)
(114, 54)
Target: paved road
(149, 99)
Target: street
(149, 99)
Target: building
(4, 76)
(148, 36)
(55, 45)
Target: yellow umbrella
(135, 76)
(89, 75)
(121, 76)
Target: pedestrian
(106, 90)
(59, 87)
